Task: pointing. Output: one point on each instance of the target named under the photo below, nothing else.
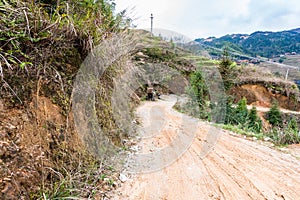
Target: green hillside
(264, 44)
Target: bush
(255, 123)
(292, 125)
(240, 116)
(284, 136)
(230, 110)
(287, 135)
(274, 115)
(199, 92)
(241, 112)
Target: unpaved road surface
(265, 109)
(235, 168)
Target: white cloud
(204, 18)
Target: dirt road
(235, 168)
(266, 109)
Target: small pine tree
(200, 92)
(230, 112)
(274, 115)
(227, 70)
(253, 114)
(255, 122)
(241, 112)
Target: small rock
(115, 184)
(8, 190)
(106, 179)
(10, 126)
(6, 179)
(25, 118)
(266, 139)
(1, 106)
(124, 141)
(123, 178)
(141, 62)
(134, 148)
(142, 55)
(106, 187)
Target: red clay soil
(236, 168)
(28, 142)
(258, 95)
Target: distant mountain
(261, 43)
(296, 30)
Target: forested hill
(265, 44)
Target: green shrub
(288, 135)
(255, 123)
(199, 92)
(284, 136)
(230, 110)
(241, 117)
(274, 115)
(292, 125)
(241, 112)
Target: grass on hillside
(42, 46)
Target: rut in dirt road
(234, 169)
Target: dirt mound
(259, 95)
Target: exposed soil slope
(235, 169)
(29, 144)
(259, 95)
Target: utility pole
(287, 74)
(151, 24)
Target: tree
(230, 111)
(199, 91)
(255, 122)
(227, 69)
(274, 115)
(241, 112)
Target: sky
(206, 18)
